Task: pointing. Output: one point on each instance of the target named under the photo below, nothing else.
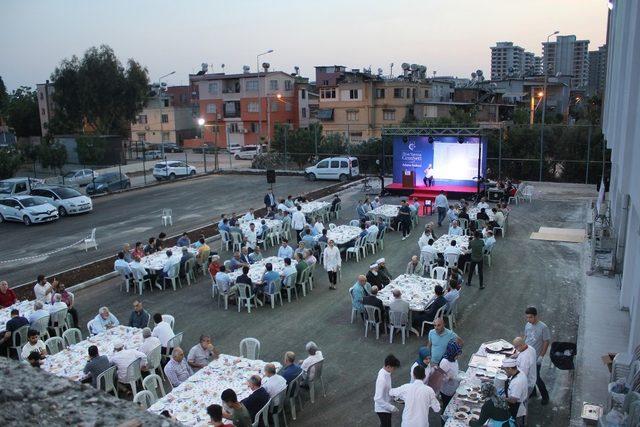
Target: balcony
(231, 86)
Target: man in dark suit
(372, 299)
(432, 308)
(270, 200)
(258, 397)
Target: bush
(270, 160)
(10, 161)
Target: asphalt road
(133, 216)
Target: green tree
(10, 161)
(4, 99)
(98, 91)
(22, 112)
(91, 150)
(52, 155)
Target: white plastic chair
(72, 336)
(293, 394)
(153, 384)
(134, 374)
(173, 276)
(246, 297)
(276, 408)
(42, 326)
(354, 311)
(169, 319)
(371, 314)
(250, 348)
(54, 345)
(370, 242)
(451, 260)
(439, 273)
(487, 254)
(140, 281)
(354, 223)
(290, 286)
(356, 249)
(314, 374)
(173, 343)
(154, 361)
(261, 415)
(106, 381)
(236, 242)
(225, 240)
(90, 242)
(167, 217)
(144, 398)
(90, 327)
(528, 193)
(58, 320)
(398, 320)
(332, 226)
(22, 333)
(439, 315)
(273, 296)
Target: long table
(188, 402)
(342, 234)
(271, 223)
(157, 260)
(387, 211)
(484, 366)
(310, 208)
(416, 290)
(257, 269)
(444, 241)
(69, 363)
(473, 213)
(24, 307)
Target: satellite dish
(405, 66)
(222, 66)
(479, 73)
(204, 67)
(414, 67)
(473, 75)
(297, 69)
(266, 65)
(379, 71)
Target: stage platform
(423, 193)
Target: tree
(91, 150)
(22, 112)
(4, 99)
(98, 91)
(10, 161)
(52, 155)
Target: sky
(451, 37)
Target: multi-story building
(509, 60)
(537, 65)
(167, 117)
(245, 108)
(46, 105)
(569, 57)
(358, 103)
(597, 70)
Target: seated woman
(495, 410)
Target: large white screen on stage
(455, 161)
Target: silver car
(79, 177)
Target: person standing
(298, 222)
(515, 391)
(476, 246)
(332, 263)
(381, 399)
(442, 204)
(270, 200)
(538, 336)
(418, 399)
(428, 176)
(404, 217)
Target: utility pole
(544, 108)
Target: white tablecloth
(416, 290)
(388, 211)
(444, 241)
(483, 367)
(342, 234)
(312, 207)
(157, 260)
(473, 212)
(256, 270)
(188, 402)
(24, 307)
(69, 363)
(244, 226)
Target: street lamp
(161, 105)
(259, 94)
(544, 105)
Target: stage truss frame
(431, 131)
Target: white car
(248, 152)
(172, 170)
(67, 200)
(342, 168)
(79, 177)
(27, 209)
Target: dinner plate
(474, 395)
(494, 346)
(461, 416)
(464, 408)
(185, 418)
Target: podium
(408, 179)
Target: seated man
(103, 321)
(300, 248)
(285, 251)
(269, 277)
(453, 292)
(149, 342)
(315, 356)
(483, 214)
(290, 370)
(95, 365)
(372, 229)
(122, 266)
(373, 276)
(202, 353)
(431, 308)
(397, 303)
(122, 358)
(489, 241)
(238, 413)
(34, 343)
(358, 291)
(258, 397)
(38, 313)
(288, 269)
(139, 317)
(307, 239)
(162, 330)
(272, 382)
(184, 240)
(301, 266)
(177, 369)
(385, 275)
(455, 229)
(7, 296)
(243, 278)
(186, 256)
(324, 238)
(309, 258)
(428, 252)
(372, 299)
(451, 214)
(244, 255)
(452, 249)
(483, 204)
(256, 255)
(415, 266)
(11, 326)
(236, 262)
(169, 262)
(463, 214)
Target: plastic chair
(153, 384)
(189, 270)
(293, 394)
(125, 275)
(354, 223)
(169, 319)
(450, 313)
(236, 241)
(173, 343)
(273, 291)
(42, 326)
(173, 276)
(371, 242)
(261, 415)
(246, 297)
(250, 348)
(528, 192)
(463, 223)
(451, 260)
(72, 336)
(20, 333)
(439, 273)
(54, 345)
(58, 320)
(398, 320)
(356, 248)
(371, 314)
(354, 311)
(106, 381)
(332, 226)
(154, 361)
(487, 254)
(167, 217)
(314, 374)
(225, 240)
(439, 315)
(144, 398)
(90, 327)
(90, 242)
(380, 239)
(290, 285)
(276, 408)
(134, 374)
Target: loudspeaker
(271, 176)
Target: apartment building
(568, 56)
(167, 117)
(597, 70)
(509, 60)
(358, 103)
(46, 105)
(245, 108)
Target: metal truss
(430, 131)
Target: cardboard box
(607, 359)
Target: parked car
(151, 155)
(16, 186)
(27, 209)
(79, 177)
(170, 147)
(172, 169)
(342, 168)
(248, 152)
(105, 183)
(208, 149)
(67, 200)
(234, 148)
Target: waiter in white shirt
(517, 391)
(428, 176)
(298, 222)
(381, 399)
(418, 398)
(526, 361)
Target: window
(252, 107)
(288, 106)
(251, 86)
(408, 93)
(164, 118)
(212, 109)
(388, 114)
(166, 136)
(398, 92)
(323, 164)
(352, 115)
(142, 136)
(344, 164)
(274, 106)
(273, 85)
(304, 113)
(253, 126)
(234, 128)
(43, 112)
(426, 93)
(380, 93)
(232, 109)
(328, 93)
(325, 82)
(213, 88)
(303, 94)
(165, 102)
(287, 85)
(354, 94)
(142, 119)
(41, 95)
(335, 164)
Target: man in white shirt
(418, 399)
(376, 203)
(516, 391)
(371, 229)
(455, 229)
(169, 262)
(285, 251)
(498, 216)
(288, 269)
(252, 236)
(526, 362)
(150, 342)
(202, 353)
(453, 248)
(103, 321)
(177, 369)
(34, 343)
(483, 203)
(272, 382)
(314, 357)
(442, 204)
(42, 288)
(122, 358)
(122, 266)
(38, 313)
(453, 293)
(57, 304)
(381, 399)
(162, 330)
(249, 216)
(489, 241)
(298, 221)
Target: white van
(248, 152)
(342, 168)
